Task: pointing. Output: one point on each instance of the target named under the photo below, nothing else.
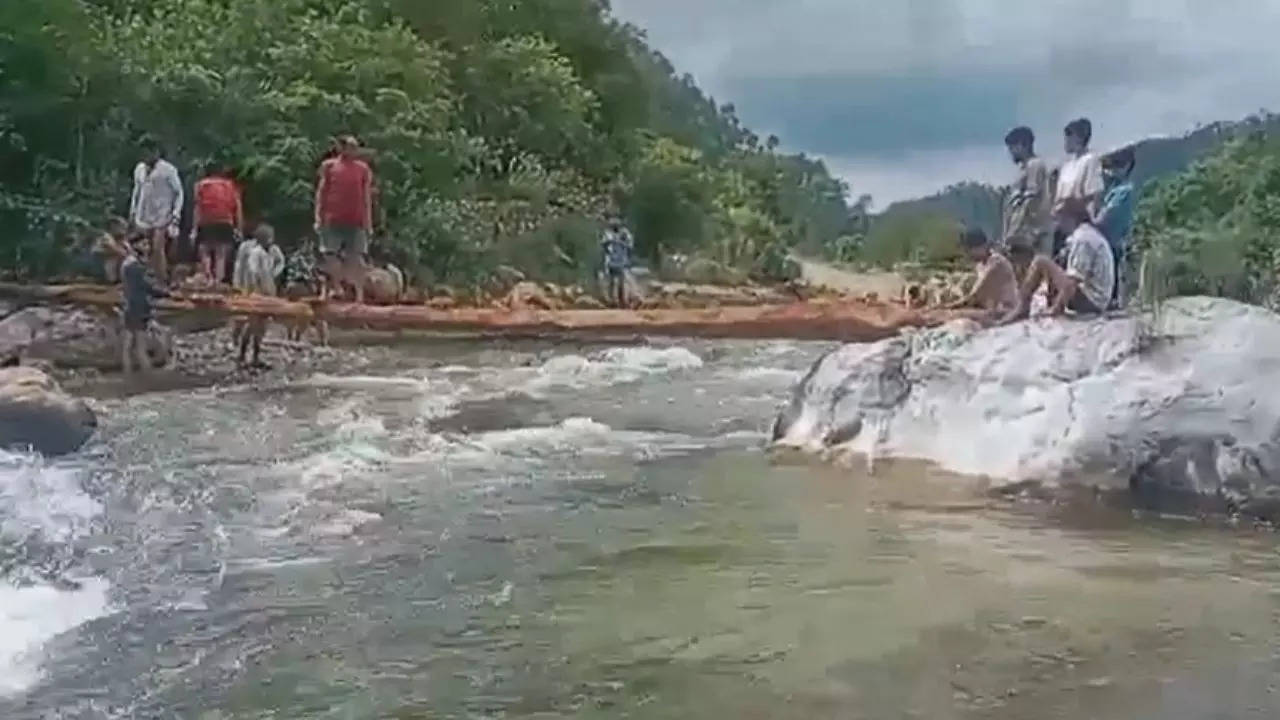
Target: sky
(904, 97)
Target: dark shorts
(134, 323)
(345, 240)
(615, 273)
(1082, 305)
(211, 236)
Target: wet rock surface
(1179, 404)
(36, 414)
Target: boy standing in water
(138, 293)
(996, 290)
(258, 264)
(616, 247)
(1115, 219)
(1028, 226)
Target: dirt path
(884, 284)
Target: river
(530, 530)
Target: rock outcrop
(72, 338)
(1180, 403)
(36, 414)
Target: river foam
(41, 505)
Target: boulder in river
(35, 413)
(1180, 403)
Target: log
(843, 320)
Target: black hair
(1124, 159)
(1021, 135)
(1080, 128)
(973, 238)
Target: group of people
(1065, 230)
(148, 241)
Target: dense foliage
(1213, 229)
(500, 131)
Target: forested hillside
(501, 132)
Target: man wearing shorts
(344, 215)
(218, 221)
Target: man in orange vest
(344, 215)
(218, 222)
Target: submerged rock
(35, 413)
(1178, 403)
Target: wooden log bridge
(845, 320)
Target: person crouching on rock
(996, 290)
(258, 263)
(138, 291)
(1084, 287)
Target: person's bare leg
(160, 254)
(206, 261)
(220, 252)
(141, 343)
(356, 269)
(1036, 273)
(126, 351)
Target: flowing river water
(531, 530)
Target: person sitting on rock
(259, 263)
(996, 290)
(616, 247)
(138, 291)
(1084, 287)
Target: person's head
(1119, 164)
(1077, 135)
(349, 147)
(1073, 213)
(615, 223)
(1021, 142)
(152, 152)
(117, 227)
(265, 235)
(141, 246)
(975, 244)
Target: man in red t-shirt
(218, 222)
(344, 215)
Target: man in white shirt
(155, 208)
(1084, 287)
(1080, 176)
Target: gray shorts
(344, 240)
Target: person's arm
(368, 201)
(1111, 205)
(196, 220)
(980, 286)
(321, 182)
(135, 200)
(179, 197)
(1093, 184)
(277, 261)
(239, 199)
(238, 271)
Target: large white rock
(1062, 401)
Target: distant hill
(979, 205)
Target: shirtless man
(996, 291)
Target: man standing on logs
(344, 215)
(616, 248)
(155, 208)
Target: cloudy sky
(903, 97)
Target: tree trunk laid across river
(845, 320)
